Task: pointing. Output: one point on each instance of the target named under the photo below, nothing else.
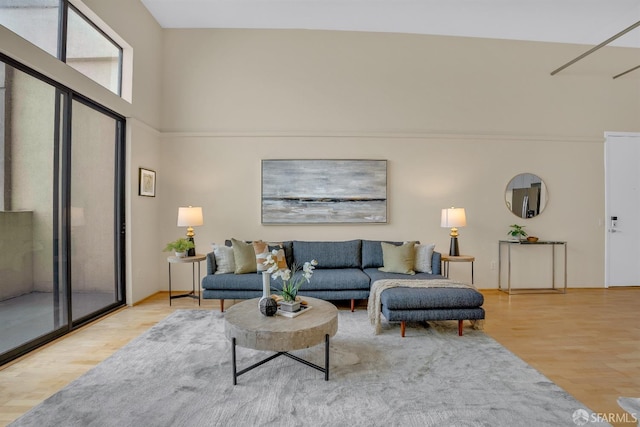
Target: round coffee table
(246, 327)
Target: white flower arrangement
(290, 282)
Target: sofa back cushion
(329, 254)
(372, 253)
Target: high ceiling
(588, 22)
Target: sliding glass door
(94, 194)
(61, 210)
(28, 245)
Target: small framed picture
(146, 182)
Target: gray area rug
(178, 373)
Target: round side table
(446, 259)
(187, 260)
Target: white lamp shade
(190, 216)
(453, 217)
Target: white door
(622, 209)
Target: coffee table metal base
(237, 373)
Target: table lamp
(190, 217)
(453, 218)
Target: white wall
(424, 174)
(456, 118)
(327, 82)
(145, 273)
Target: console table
(508, 244)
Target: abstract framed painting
(324, 191)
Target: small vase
(263, 303)
(267, 305)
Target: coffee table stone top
(251, 329)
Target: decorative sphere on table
(268, 306)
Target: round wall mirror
(526, 195)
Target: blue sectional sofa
(345, 271)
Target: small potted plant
(180, 247)
(290, 282)
(517, 232)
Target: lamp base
(454, 250)
(192, 251)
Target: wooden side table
(187, 260)
(446, 259)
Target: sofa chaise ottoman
(431, 304)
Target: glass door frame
(62, 215)
(119, 230)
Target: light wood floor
(586, 341)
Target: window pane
(31, 297)
(91, 53)
(34, 20)
(93, 220)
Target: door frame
(61, 213)
(608, 140)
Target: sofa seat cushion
(430, 298)
(328, 254)
(326, 280)
(337, 295)
(337, 279)
(233, 281)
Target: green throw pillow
(244, 256)
(398, 259)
